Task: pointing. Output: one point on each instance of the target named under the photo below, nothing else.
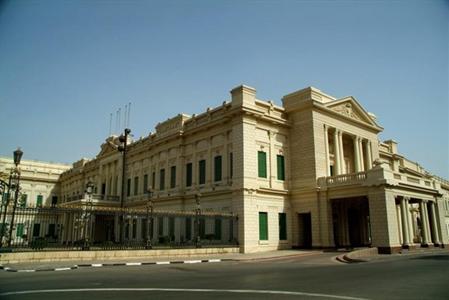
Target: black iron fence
(96, 228)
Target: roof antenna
(125, 116)
(116, 122)
(119, 117)
(110, 124)
(129, 113)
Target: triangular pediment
(110, 145)
(350, 108)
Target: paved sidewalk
(212, 258)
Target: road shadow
(433, 257)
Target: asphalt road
(310, 277)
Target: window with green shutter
(202, 229)
(3, 229)
(281, 167)
(217, 168)
(162, 179)
(39, 200)
(171, 228)
(188, 229)
(136, 185)
(128, 187)
(153, 180)
(189, 174)
(5, 198)
(160, 226)
(231, 165)
(19, 230)
(202, 171)
(36, 229)
(173, 177)
(263, 226)
(145, 183)
(262, 163)
(23, 201)
(282, 226)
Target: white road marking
(97, 265)
(134, 264)
(162, 263)
(214, 260)
(62, 269)
(26, 271)
(181, 290)
(192, 261)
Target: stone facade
(309, 173)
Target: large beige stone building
(309, 173)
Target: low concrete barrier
(23, 257)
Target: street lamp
(17, 157)
(87, 215)
(197, 220)
(123, 148)
(150, 206)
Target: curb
(344, 258)
(7, 269)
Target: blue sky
(66, 65)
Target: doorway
(305, 230)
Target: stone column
(405, 229)
(342, 154)
(424, 224)
(357, 166)
(398, 215)
(362, 160)
(369, 159)
(336, 153)
(429, 235)
(436, 239)
(326, 150)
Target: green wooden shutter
(128, 187)
(202, 169)
(263, 226)
(160, 226)
(23, 201)
(162, 180)
(39, 200)
(136, 185)
(217, 168)
(172, 177)
(188, 229)
(171, 228)
(231, 165)
(282, 226)
(202, 228)
(262, 161)
(19, 230)
(189, 174)
(145, 183)
(36, 229)
(281, 167)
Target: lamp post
(17, 157)
(150, 207)
(197, 220)
(123, 148)
(87, 215)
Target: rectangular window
(263, 226)
(189, 174)
(134, 228)
(262, 163)
(143, 228)
(331, 170)
(39, 200)
(202, 171)
(52, 230)
(282, 226)
(160, 226)
(171, 228)
(217, 229)
(162, 179)
(188, 229)
(231, 165)
(23, 201)
(128, 187)
(19, 230)
(217, 168)
(172, 177)
(127, 230)
(36, 229)
(153, 180)
(202, 229)
(136, 185)
(145, 183)
(54, 200)
(3, 229)
(280, 167)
